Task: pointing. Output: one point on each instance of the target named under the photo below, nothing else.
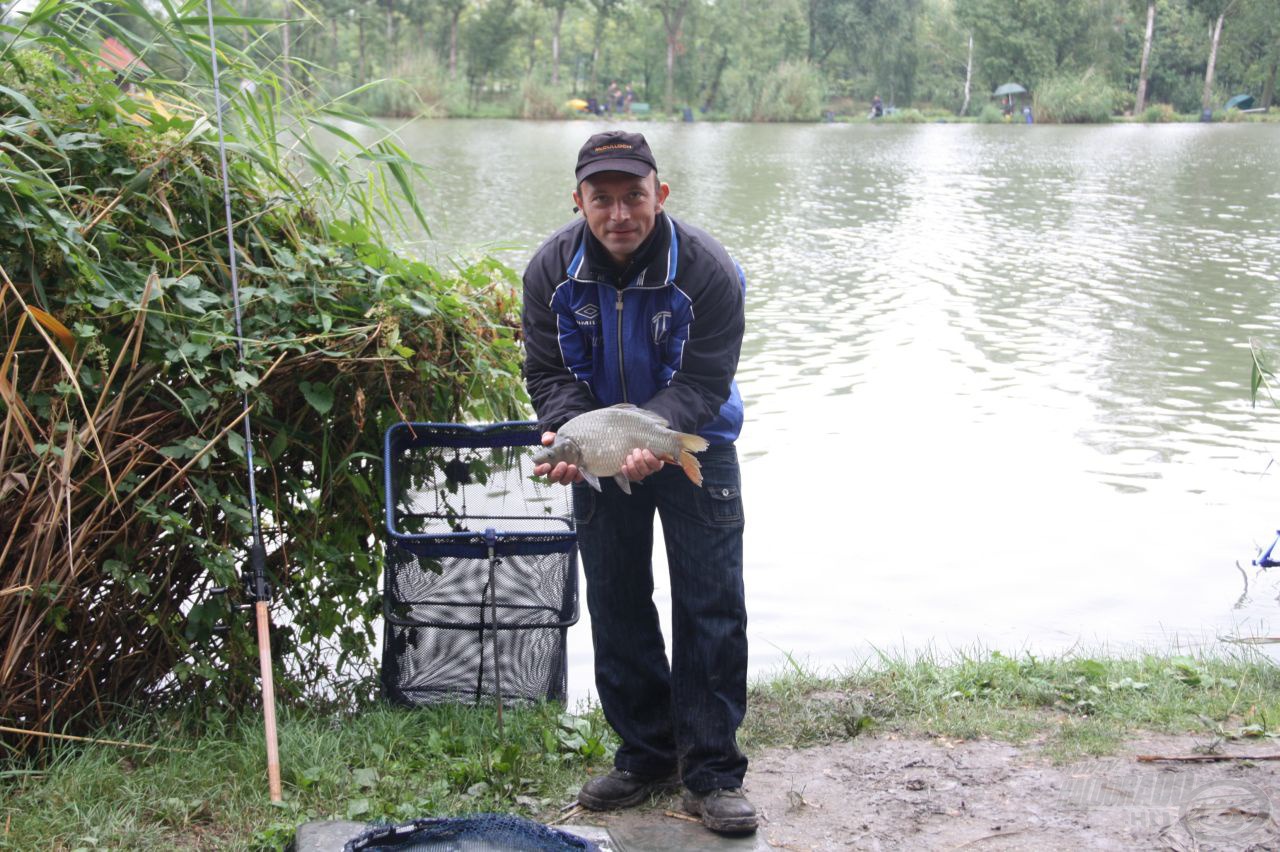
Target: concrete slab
(686, 836)
(326, 836)
(597, 835)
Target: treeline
(769, 59)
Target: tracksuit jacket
(663, 334)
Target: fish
(599, 441)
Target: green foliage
(122, 445)
(1159, 114)
(384, 763)
(912, 52)
(1072, 99)
(418, 88)
(1076, 702)
(990, 114)
(906, 116)
(789, 92)
(542, 101)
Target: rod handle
(268, 700)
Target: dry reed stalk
(92, 740)
(70, 372)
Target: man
(629, 305)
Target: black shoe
(726, 810)
(622, 789)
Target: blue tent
(1240, 102)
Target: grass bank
(392, 764)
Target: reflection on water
(996, 377)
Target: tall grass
(121, 468)
(382, 765)
(792, 91)
(989, 694)
(1076, 99)
(418, 88)
(1159, 114)
(990, 114)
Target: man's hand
(563, 473)
(641, 463)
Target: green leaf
(1092, 669)
(319, 397)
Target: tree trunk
(672, 18)
(391, 35)
(1213, 59)
(813, 32)
(595, 65)
(968, 78)
(1269, 90)
(555, 47)
(364, 68)
(453, 44)
(286, 48)
(671, 77)
(1140, 103)
(333, 42)
(715, 81)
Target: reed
(122, 474)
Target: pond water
(997, 377)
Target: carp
(599, 441)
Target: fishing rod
(256, 583)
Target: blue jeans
(684, 715)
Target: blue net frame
(481, 581)
(477, 833)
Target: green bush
(990, 114)
(419, 87)
(793, 91)
(906, 116)
(122, 468)
(541, 101)
(1159, 114)
(1076, 99)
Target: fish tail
(690, 466)
(692, 443)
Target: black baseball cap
(615, 151)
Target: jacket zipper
(622, 370)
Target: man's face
(621, 209)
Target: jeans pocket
(723, 504)
(584, 503)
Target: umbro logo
(588, 315)
(661, 324)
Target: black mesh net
(480, 552)
(479, 833)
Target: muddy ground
(892, 792)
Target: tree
(603, 9)
(1032, 40)
(836, 23)
(1140, 101)
(1216, 11)
(488, 36)
(673, 12)
(454, 10)
(1251, 58)
(558, 8)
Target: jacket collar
(653, 265)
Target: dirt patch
(889, 793)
